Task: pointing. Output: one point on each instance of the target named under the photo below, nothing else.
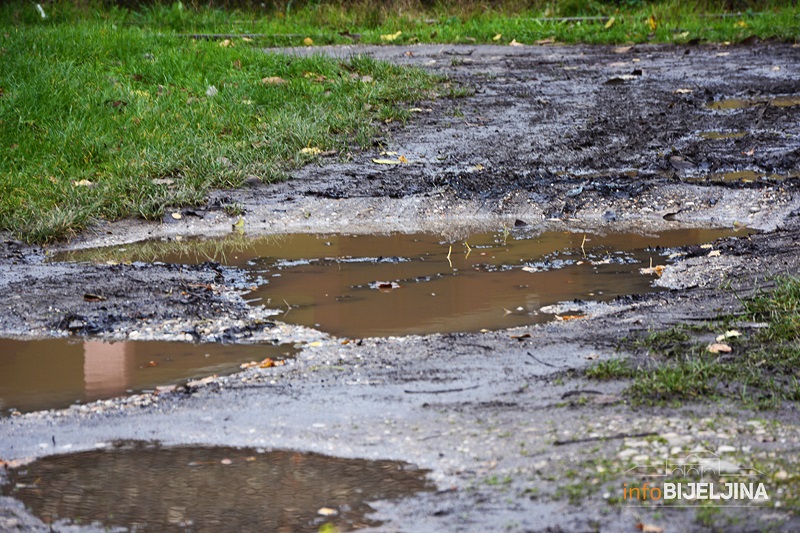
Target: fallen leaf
(89, 297)
(402, 159)
(226, 43)
(657, 270)
(719, 347)
(82, 183)
(728, 334)
(239, 225)
(315, 344)
(327, 511)
(308, 41)
(610, 22)
(387, 161)
(478, 167)
(569, 317)
(527, 268)
(741, 24)
(312, 151)
(273, 80)
(652, 22)
(723, 54)
(266, 363)
(177, 216)
(706, 246)
(623, 49)
(515, 43)
(713, 253)
(649, 528)
(497, 37)
(776, 69)
(391, 36)
(541, 42)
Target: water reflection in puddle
(490, 281)
(147, 488)
(51, 373)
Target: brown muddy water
(398, 284)
(142, 487)
(45, 374)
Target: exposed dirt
(556, 137)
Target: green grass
(761, 371)
(101, 120)
(465, 21)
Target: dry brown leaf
(719, 347)
(273, 80)
(657, 270)
(649, 528)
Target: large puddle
(380, 285)
(53, 373)
(146, 488)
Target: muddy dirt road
(578, 139)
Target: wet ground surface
(579, 139)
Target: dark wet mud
(53, 373)
(141, 487)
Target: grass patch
(101, 119)
(761, 371)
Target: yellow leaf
(226, 43)
(515, 43)
(315, 344)
(311, 151)
(402, 159)
(610, 22)
(391, 36)
(238, 226)
(652, 23)
(386, 161)
(741, 24)
(497, 37)
(308, 41)
(247, 39)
